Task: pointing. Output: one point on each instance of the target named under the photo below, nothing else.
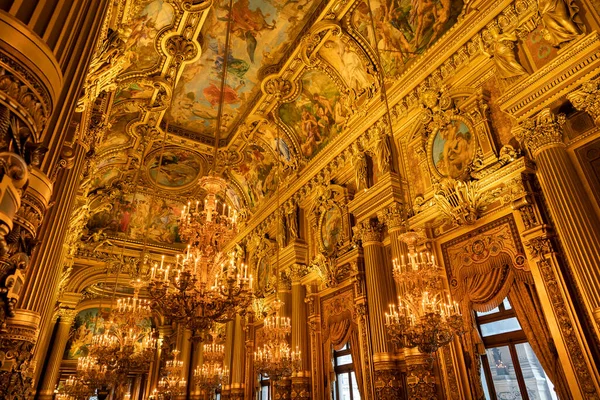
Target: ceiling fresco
(297, 72)
(262, 31)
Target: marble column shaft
(40, 290)
(380, 289)
(238, 361)
(301, 381)
(576, 222)
(51, 375)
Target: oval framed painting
(330, 230)
(178, 169)
(452, 150)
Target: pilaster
(380, 292)
(300, 379)
(576, 222)
(547, 268)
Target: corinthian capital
(587, 99)
(541, 132)
(66, 315)
(368, 231)
(393, 216)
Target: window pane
(343, 383)
(484, 383)
(538, 384)
(481, 314)
(503, 373)
(343, 360)
(506, 304)
(355, 392)
(502, 326)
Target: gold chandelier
(173, 382)
(424, 317)
(275, 358)
(196, 293)
(212, 373)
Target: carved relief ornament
(541, 132)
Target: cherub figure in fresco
(247, 24)
(310, 128)
(323, 102)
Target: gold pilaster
(238, 366)
(66, 315)
(301, 380)
(380, 293)
(576, 222)
(572, 348)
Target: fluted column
(66, 315)
(577, 224)
(184, 345)
(316, 341)
(238, 363)
(380, 293)
(228, 360)
(250, 374)
(301, 379)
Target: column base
(301, 387)
(388, 381)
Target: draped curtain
(341, 329)
(482, 289)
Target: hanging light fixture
(275, 358)
(424, 317)
(203, 285)
(212, 373)
(173, 383)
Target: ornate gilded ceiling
(295, 70)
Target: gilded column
(547, 268)
(228, 360)
(238, 367)
(301, 379)
(380, 293)
(316, 341)
(43, 62)
(250, 375)
(184, 345)
(576, 222)
(282, 389)
(66, 315)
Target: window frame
(339, 370)
(508, 339)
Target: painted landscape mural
(317, 115)
(85, 324)
(261, 33)
(404, 28)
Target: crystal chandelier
(210, 376)
(74, 388)
(197, 293)
(423, 317)
(212, 373)
(173, 382)
(275, 358)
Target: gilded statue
(502, 51)
(359, 162)
(292, 221)
(383, 152)
(560, 20)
